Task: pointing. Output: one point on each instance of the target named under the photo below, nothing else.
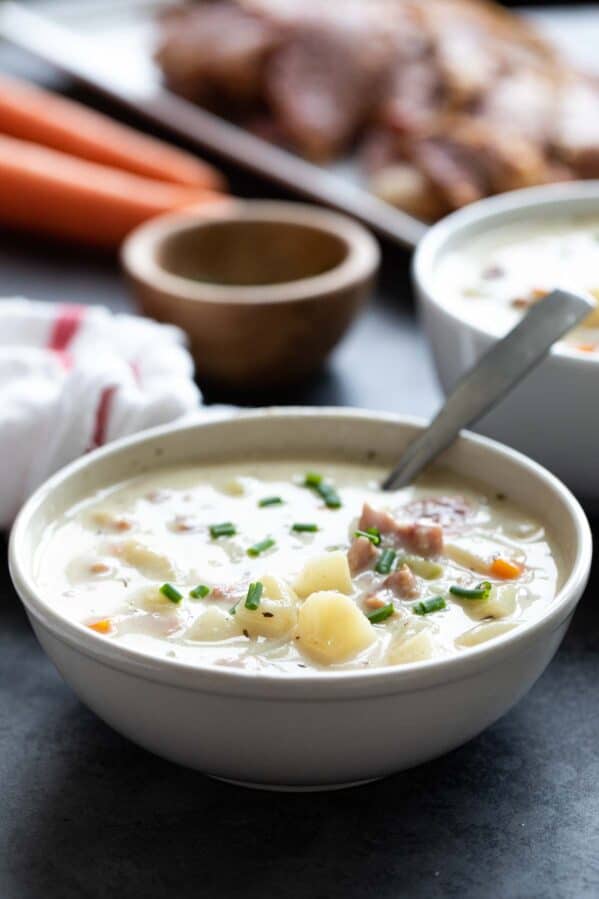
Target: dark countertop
(84, 814)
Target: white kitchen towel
(75, 377)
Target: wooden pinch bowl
(263, 289)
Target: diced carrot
(103, 626)
(587, 347)
(33, 114)
(505, 569)
(374, 602)
(50, 192)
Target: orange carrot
(53, 193)
(587, 347)
(101, 627)
(505, 569)
(30, 113)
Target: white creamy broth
(498, 275)
(125, 561)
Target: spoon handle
(491, 378)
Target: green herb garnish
(233, 609)
(330, 496)
(199, 592)
(252, 600)
(270, 501)
(372, 534)
(226, 529)
(312, 480)
(378, 615)
(326, 491)
(482, 591)
(434, 604)
(260, 547)
(385, 561)
(171, 593)
(301, 528)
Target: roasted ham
(449, 100)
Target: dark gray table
(86, 815)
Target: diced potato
(147, 561)
(425, 568)
(466, 557)
(213, 624)
(331, 628)
(89, 567)
(483, 632)
(109, 520)
(272, 618)
(416, 648)
(277, 588)
(500, 604)
(150, 599)
(234, 487)
(592, 321)
(327, 572)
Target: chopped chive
(301, 528)
(171, 593)
(434, 604)
(260, 547)
(330, 496)
(312, 479)
(381, 614)
(482, 591)
(326, 491)
(233, 609)
(270, 501)
(385, 561)
(226, 529)
(199, 592)
(372, 534)
(252, 600)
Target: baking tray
(107, 45)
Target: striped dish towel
(75, 377)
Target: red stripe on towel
(65, 359)
(67, 323)
(102, 415)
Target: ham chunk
(403, 583)
(361, 554)
(376, 518)
(421, 537)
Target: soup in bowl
(244, 612)
(478, 272)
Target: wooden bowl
(264, 290)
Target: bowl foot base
(291, 788)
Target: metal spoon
(491, 378)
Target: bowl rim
(360, 262)
(316, 685)
(486, 212)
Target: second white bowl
(552, 414)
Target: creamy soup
(293, 566)
(501, 274)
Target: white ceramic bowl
(321, 729)
(552, 415)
